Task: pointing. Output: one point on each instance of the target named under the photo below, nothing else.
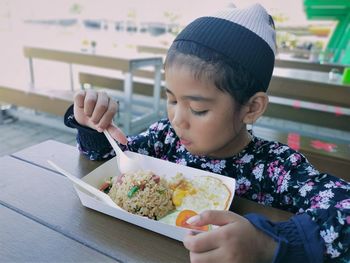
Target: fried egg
(199, 194)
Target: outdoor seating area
(47, 59)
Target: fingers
(213, 217)
(90, 102)
(79, 98)
(104, 111)
(97, 110)
(208, 256)
(117, 134)
(202, 242)
(106, 119)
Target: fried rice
(143, 193)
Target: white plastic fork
(92, 190)
(125, 163)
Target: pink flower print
(260, 197)
(181, 161)
(279, 183)
(271, 168)
(337, 183)
(294, 159)
(178, 144)
(243, 185)
(345, 204)
(315, 201)
(280, 180)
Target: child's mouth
(185, 142)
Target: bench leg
(157, 89)
(31, 70)
(4, 116)
(71, 77)
(1, 116)
(127, 102)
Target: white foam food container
(159, 167)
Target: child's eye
(199, 113)
(171, 102)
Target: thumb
(117, 134)
(213, 217)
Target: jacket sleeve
(95, 145)
(320, 230)
(298, 239)
(91, 143)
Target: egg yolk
(181, 191)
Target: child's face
(203, 116)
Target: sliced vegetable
(156, 178)
(184, 215)
(133, 190)
(105, 187)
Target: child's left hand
(236, 240)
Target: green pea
(133, 190)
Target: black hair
(209, 65)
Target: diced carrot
(104, 186)
(184, 215)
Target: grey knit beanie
(245, 36)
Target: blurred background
(110, 24)
(36, 85)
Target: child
(217, 72)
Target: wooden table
(152, 49)
(120, 60)
(42, 218)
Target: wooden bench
(309, 86)
(320, 115)
(309, 97)
(45, 100)
(160, 50)
(56, 102)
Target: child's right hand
(96, 110)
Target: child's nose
(180, 119)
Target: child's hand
(96, 110)
(236, 240)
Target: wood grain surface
(25, 240)
(50, 199)
(69, 157)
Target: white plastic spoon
(125, 163)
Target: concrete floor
(21, 133)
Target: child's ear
(255, 107)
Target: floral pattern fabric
(267, 172)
